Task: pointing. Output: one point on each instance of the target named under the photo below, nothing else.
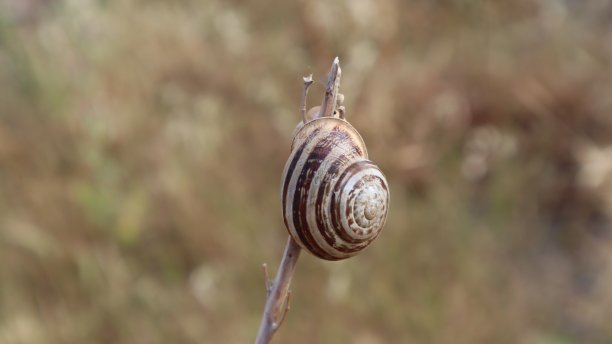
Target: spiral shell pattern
(334, 200)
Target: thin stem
(277, 303)
(267, 281)
(307, 82)
(278, 294)
(331, 90)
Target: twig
(277, 303)
(307, 82)
(286, 309)
(267, 281)
(278, 294)
(331, 90)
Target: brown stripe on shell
(289, 173)
(324, 191)
(342, 140)
(288, 176)
(338, 139)
(300, 201)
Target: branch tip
(307, 83)
(331, 90)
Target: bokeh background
(142, 145)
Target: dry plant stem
(278, 294)
(331, 90)
(264, 266)
(277, 303)
(307, 82)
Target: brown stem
(277, 303)
(331, 90)
(278, 294)
(307, 82)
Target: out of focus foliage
(142, 142)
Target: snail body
(334, 199)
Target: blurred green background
(142, 145)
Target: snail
(334, 199)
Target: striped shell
(334, 199)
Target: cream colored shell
(335, 200)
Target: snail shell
(334, 199)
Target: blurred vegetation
(142, 142)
